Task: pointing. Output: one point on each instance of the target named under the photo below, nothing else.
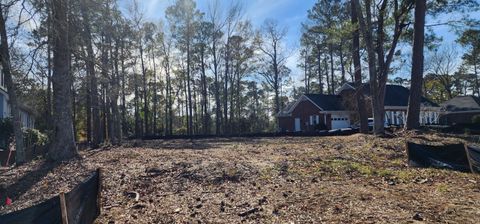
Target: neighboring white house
(28, 118)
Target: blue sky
(289, 13)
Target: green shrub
(34, 137)
(476, 119)
(6, 132)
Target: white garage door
(340, 122)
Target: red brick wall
(329, 121)
(286, 124)
(303, 111)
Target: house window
(2, 79)
(311, 119)
(317, 119)
(1, 105)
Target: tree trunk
(232, 98)
(319, 63)
(124, 107)
(88, 111)
(218, 113)
(413, 113)
(366, 30)
(115, 87)
(93, 87)
(145, 92)
(74, 109)
(225, 88)
(276, 73)
(138, 129)
(359, 96)
(342, 64)
(20, 156)
(155, 98)
(206, 128)
(378, 85)
(63, 144)
(332, 71)
(48, 106)
(189, 91)
(475, 72)
(327, 77)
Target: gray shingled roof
(397, 95)
(327, 102)
(462, 103)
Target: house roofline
(300, 100)
(461, 112)
(341, 88)
(406, 107)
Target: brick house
(318, 111)
(314, 112)
(460, 110)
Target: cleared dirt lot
(358, 179)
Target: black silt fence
(337, 132)
(79, 206)
(457, 157)
(473, 154)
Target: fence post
(63, 208)
(467, 151)
(408, 154)
(99, 193)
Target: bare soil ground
(352, 179)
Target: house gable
(305, 106)
(287, 111)
(345, 86)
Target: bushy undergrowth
(32, 137)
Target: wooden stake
(99, 193)
(467, 151)
(408, 154)
(63, 208)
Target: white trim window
(2, 79)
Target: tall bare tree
(63, 143)
(380, 57)
(270, 43)
(184, 18)
(360, 98)
(93, 123)
(214, 15)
